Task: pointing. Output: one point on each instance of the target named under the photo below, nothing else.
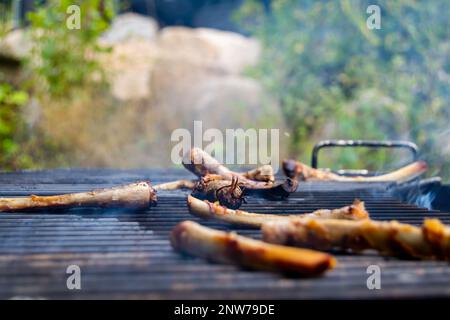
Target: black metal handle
(412, 147)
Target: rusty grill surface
(128, 255)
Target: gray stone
(15, 45)
(130, 26)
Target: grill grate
(127, 254)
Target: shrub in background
(64, 60)
(322, 63)
(12, 127)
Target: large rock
(198, 76)
(15, 45)
(130, 26)
(130, 66)
(222, 51)
(161, 84)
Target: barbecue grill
(127, 254)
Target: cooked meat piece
(208, 210)
(276, 191)
(218, 246)
(297, 170)
(175, 185)
(231, 193)
(263, 173)
(431, 241)
(135, 195)
(215, 188)
(201, 164)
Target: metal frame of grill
(125, 254)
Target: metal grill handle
(412, 147)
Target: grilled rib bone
(215, 188)
(295, 169)
(208, 210)
(135, 195)
(201, 164)
(431, 241)
(175, 185)
(194, 239)
(263, 173)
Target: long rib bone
(431, 241)
(201, 164)
(194, 239)
(135, 195)
(175, 185)
(208, 210)
(296, 169)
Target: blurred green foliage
(62, 67)
(64, 59)
(11, 102)
(335, 78)
(5, 18)
(11, 124)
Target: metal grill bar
(125, 254)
